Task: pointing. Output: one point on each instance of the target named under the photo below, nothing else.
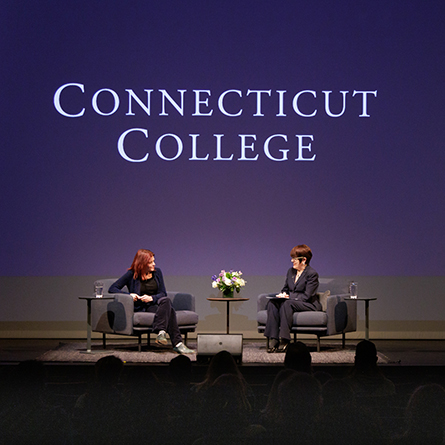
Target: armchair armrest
(113, 316)
(342, 314)
(263, 300)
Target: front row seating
(337, 316)
(117, 316)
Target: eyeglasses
(298, 258)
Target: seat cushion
(143, 318)
(310, 318)
(307, 318)
(184, 318)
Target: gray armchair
(337, 316)
(117, 316)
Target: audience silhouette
(344, 420)
(299, 410)
(226, 413)
(181, 408)
(269, 416)
(366, 378)
(221, 363)
(298, 357)
(362, 407)
(425, 417)
(100, 415)
(27, 415)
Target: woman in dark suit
(299, 294)
(146, 285)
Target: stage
(395, 352)
(253, 353)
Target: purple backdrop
(369, 203)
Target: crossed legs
(165, 320)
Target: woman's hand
(146, 298)
(135, 297)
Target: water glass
(353, 288)
(99, 289)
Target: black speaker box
(209, 345)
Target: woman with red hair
(145, 284)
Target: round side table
(228, 301)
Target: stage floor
(399, 352)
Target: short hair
(302, 250)
(141, 259)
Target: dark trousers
(165, 319)
(280, 313)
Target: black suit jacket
(134, 287)
(305, 289)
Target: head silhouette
(298, 357)
(365, 355)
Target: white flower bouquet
(228, 282)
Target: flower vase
(228, 293)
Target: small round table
(228, 301)
(366, 300)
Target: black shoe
(275, 346)
(283, 345)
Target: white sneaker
(182, 349)
(161, 338)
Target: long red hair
(141, 259)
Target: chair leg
(185, 338)
(104, 341)
(343, 340)
(295, 337)
(139, 342)
(148, 338)
(318, 343)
